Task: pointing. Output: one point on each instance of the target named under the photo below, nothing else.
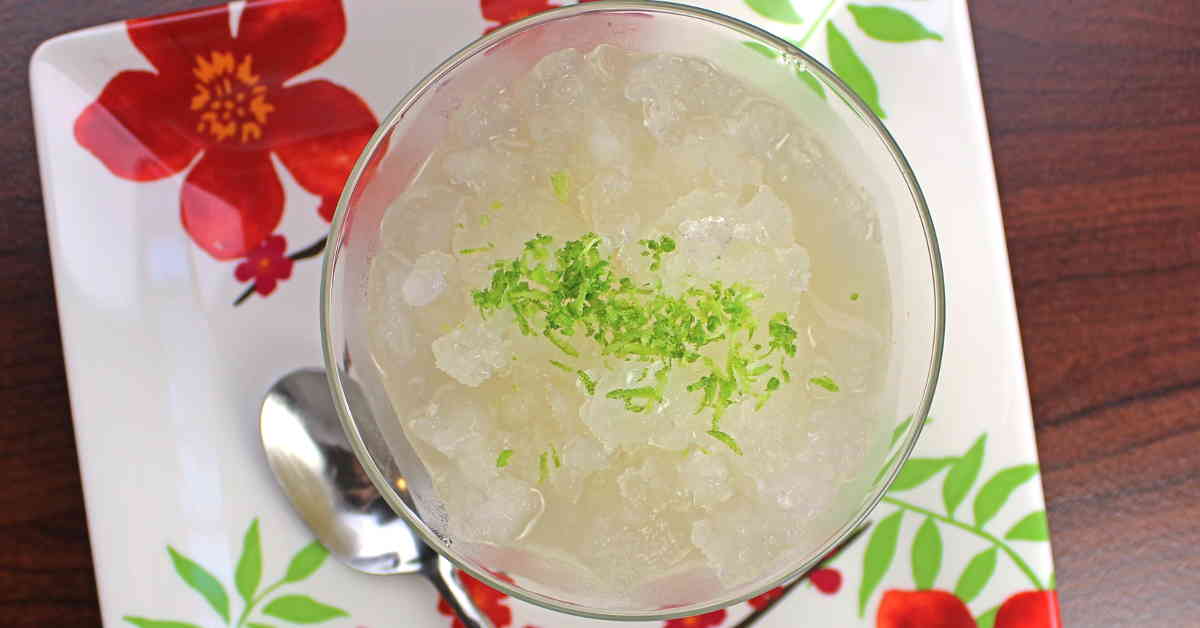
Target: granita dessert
(634, 318)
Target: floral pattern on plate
(217, 107)
(221, 109)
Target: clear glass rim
(755, 33)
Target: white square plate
(166, 373)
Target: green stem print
(881, 23)
(981, 533)
(961, 476)
(812, 28)
(298, 609)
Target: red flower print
(827, 581)
(266, 265)
(223, 98)
(506, 11)
(707, 620)
(762, 601)
(489, 600)
(922, 609)
(1030, 609)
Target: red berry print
(922, 609)
(1030, 609)
(827, 581)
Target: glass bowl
(413, 129)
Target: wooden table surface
(1094, 113)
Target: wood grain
(1094, 111)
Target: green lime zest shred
(561, 183)
(502, 459)
(589, 384)
(562, 366)
(479, 249)
(571, 295)
(825, 382)
(726, 439)
(655, 249)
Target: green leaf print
(142, 622)
(891, 25)
(899, 431)
(917, 471)
(927, 555)
(1032, 528)
(301, 609)
(996, 491)
(203, 582)
(927, 545)
(778, 10)
(851, 68)
(962, 476)
(812, 82)
(761, 49)
(976, 575)
(886, 467)
(248, 575)
(305, 562)
(247, 579)
(881, 548)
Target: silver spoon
(313, 462)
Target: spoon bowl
(316, 468)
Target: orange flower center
(264, 263)
(229, 99)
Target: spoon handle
(441, 573)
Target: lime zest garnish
(589, 384)
(561, 182)
(480, 249)
(460, 225)
(561, 344)
(854, 296)
(497, 205)
(554, 455)
(783, 337)
(543, 468)
(655, 249)
(570, 295)
(825, 382)
(562, 366)
(647, 395)
(502, 459)
(484, 220)
(725, 438)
